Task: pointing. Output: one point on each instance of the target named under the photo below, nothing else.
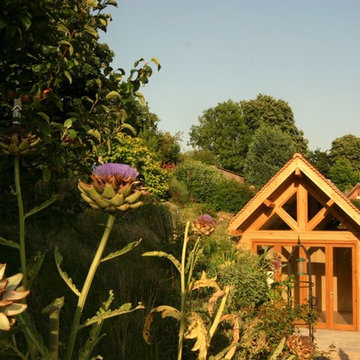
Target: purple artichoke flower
(114, 187)
(204, 225)
(118, 170)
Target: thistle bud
(114, 187)
(9, 307)
(204, 225)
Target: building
(299, 204)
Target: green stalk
(183, 295)
(24, 319)
(21, 221)
(86, 287)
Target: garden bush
(200, 179)
(134, 152)
(206, 184)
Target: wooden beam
(298, 172)
(289, 236)
(302, 207)
(317, 219)
(287, 218)
(269, 204)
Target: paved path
(345, 343)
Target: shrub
(134, 152)
(201, 180)
(178, 191)
(230, 196)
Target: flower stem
(21, 221)
(86, 287)
(183, 294)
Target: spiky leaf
(9, 243)
(197, 330)
(123, 251)
(63, 274)
(170, 257)
(206, 282)
(44, 205)
(123, 309)
(35, 264)
(166, 311)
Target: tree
(320, 159)
(166, 146)
(228, 128)
(270, 150)
(343, 174)
(72, 98)
(272, 112)
(223, 131)
(347, 147)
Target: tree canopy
(229, 128)
(270, 149)
(72, 98)
(347, 147)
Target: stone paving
(342, 345)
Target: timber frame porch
(299, 203)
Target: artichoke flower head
(17, 141)
(9, 296)
(204, 225)
(114, 187)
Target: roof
(354, 191)
(296, 162)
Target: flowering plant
(204, 225)
(114, 187)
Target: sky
(306, 52)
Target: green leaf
(67, 43)
(156, 61)
(136, 63)
(278, 349)
(91, 31)
(63, 274)
(68, 123)
(123, 309)
(56, 305)
(44, 205)
(2, 23)
(123, 251)
(170, 257)
(9, 243)
(92, 3)
(44, 116)
(67, 74)
(141, 98)
(111, 2)
(94, 133)
(25, 21)
(112, 95)
(129, 127)
(35, 264)
(72, 133)
(63, 28)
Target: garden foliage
(206, 184)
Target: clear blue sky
(306, 52)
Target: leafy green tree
(270, 150)
(223, 131)
(72, 98)
(343, 174)
(205, 156)
(321, 160)
(273, 112)
(348, 147)
(166, 146)
(228, 129)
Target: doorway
(333, 279)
